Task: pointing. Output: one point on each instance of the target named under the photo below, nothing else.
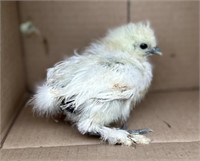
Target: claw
(140, 131)
(139, 139)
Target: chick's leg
(112, 135)
(140, 131)
(136, 131)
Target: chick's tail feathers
(45, 101)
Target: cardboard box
(170, 108)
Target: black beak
(154, 51)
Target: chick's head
(136, 39)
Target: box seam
(198, 142)
(12, 121)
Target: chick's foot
(125, 138)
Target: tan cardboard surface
(173, 116)
(66, 26)
(177, 30)
(12, 72)
(152, 152)
(30, 131)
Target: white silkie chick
(103, 84)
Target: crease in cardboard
(176, 151)
(97, 144)
(6, 131)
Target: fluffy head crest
(128, 37)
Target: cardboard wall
(176, 24)
(12, 72)
(72, 25)
(66, 26)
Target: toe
(139, 139)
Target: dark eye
(143, 46)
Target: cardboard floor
(172, 115)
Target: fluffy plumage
(103, 84)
